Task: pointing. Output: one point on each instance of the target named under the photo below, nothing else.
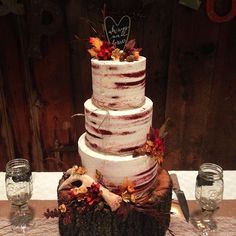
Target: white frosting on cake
(117, 121)
(117, 132)
(142, 170)
(118, 85)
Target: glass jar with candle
(19, 189)
(208, 193)
(209, 186)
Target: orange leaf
(96, 42)
(92, 52)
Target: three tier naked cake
(121, 188)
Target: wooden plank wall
(45, 78)
(201, 91)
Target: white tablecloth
(45, 184)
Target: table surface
(44, 197)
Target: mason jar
(209, 186)
(18, 181)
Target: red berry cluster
(158, 141)
(93, 196)
(52, 213)
(105, 52)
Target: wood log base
(129, 219)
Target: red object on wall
(215, 17)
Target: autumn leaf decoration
(154, 146)
(103, 50)
(127, 190)
(130, 51)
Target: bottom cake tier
(151, 218)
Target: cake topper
(117, 34)
(116, 47)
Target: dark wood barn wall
(45, 78)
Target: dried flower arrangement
(86, 198)
(77, 196)
(154, 146)
(103, 50)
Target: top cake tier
(118, 85)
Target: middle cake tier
(117, 132)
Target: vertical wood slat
(37, 152)
(80, 71)
(7, 142)
(53, 84)
(14, 92)
(55, 100)
(156, 37)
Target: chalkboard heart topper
(117, 33)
